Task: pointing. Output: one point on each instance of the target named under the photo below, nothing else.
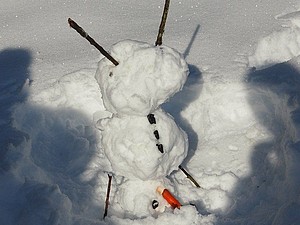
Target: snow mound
(130, 145)
(187, 215)
(77, 90)
(279, 46)
(145, 78)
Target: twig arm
(79, 29)
(162, 23)
(189, 177)
(107, 196)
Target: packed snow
(144, 79)
(130, 146)
(234, 120)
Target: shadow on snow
(181, 100)
(14, 71)
(270, 194)
(43, 153)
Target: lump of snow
(135, 198)
(278, 47)
(146, 77)
(187, 215)
(130, 145)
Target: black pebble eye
(155, 204)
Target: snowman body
(132, 148)
(141, 141)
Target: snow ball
(135, 198)
(131, 146)
(146, 77)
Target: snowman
(141, 141)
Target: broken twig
(76, 27)
(162, 23)
(189, 177)
(107, 196)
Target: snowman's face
(139, 198)
(146, 77)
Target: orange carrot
(169, 197)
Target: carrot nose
(169, 197)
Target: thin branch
(189, 177)
(162, 23)
(76, 27)
(107, 195)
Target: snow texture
(130, 146)
(145, 78)
(239, 108)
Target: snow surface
(239, 108)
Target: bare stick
(76, 27)
(189, 177)
(107, 195)
(162, 23)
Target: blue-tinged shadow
(14, 73)
(181, 100)
(270, 194)
(43, 153)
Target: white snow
(145, 78)
(130, 146)
(242, 122)
(279, 46)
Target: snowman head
(143, 201)
(146, 77)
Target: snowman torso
(131, 146)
